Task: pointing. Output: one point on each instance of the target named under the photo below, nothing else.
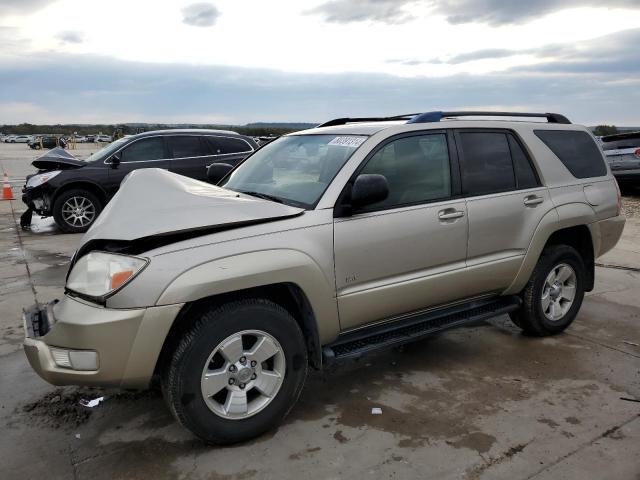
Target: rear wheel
(75, 210)
(236, 372)
(554, 294)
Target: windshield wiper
(264, 196)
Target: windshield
(295, 170)
(105, 152)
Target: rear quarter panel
(577, 201)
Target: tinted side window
(416, 168)
(525, 176)
(145, 149)
(187, 146)
(487, 166)
(576, 150)
(222, 145)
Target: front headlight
(98, 275)
(41, 178)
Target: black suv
(45, 142)
(76, 191)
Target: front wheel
(236, 372)
(554, 293)
(75, 210)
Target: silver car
(327, 244)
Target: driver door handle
(450, 214)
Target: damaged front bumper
(72, 342)
(38, 200)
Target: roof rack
(437, 116)
(344, 121)
(429, 117)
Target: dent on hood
(57, 159)
(155, 207)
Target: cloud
(348, 11)
(591, 82)
(485, 54)
(70, 36)
(492, 12)
(200, 14)
(11, 41)
(501, 12)
(489, 53)
(9, 7)
(599, 55)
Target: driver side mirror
(115, 160)
(369, 188)
(217, 171)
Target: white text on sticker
(352, 142)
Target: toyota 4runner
(326, 244)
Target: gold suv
(328, 243)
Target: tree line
(602, 130)
(30, 129)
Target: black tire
(60, 201)
(181, 375)
(531, 317)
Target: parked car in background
(76, 191)
(102, 138)
(21, 139)
(264, 140)
(390, 230)
(622, 152)
(44, 142)
(8, 138)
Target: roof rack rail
(344, 121)
(428, 117)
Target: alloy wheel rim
(558, 292)
(243, 374)
(78, 211)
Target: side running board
(358, 342)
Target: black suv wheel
(554, 294)
(75, 210)
(236, 372)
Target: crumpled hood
(153, 202)
(57, 159)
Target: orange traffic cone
(7, 193)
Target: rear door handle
(533, 200)
(450, 214)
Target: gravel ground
(631, 205)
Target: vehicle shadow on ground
(430, 390)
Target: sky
(240, 61)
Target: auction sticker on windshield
(352, 142)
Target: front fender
(256, 269)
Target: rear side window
(225, 145)
(576, 150)
(486, 166)
(145, 149)
(187, 146)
